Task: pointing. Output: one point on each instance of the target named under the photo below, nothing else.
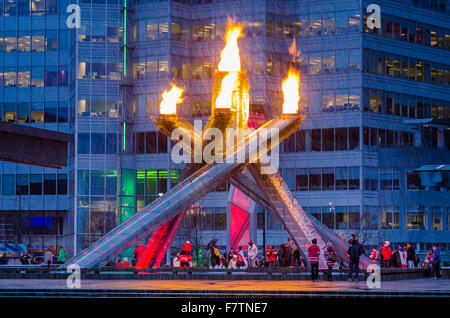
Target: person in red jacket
(187, 247)
(138, 251)
(313, 255)
(330, 256)
(126, 263)
(272, 256)
(184, 259)
(374, 255)
(386, 255)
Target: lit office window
(10, 8)
(328, 216)
(436, 218)
(152, 30)
(389, 217)
(37, 7)
(342, 217)
(354, 217)
(415, 217)
(9, 112)
(23, 43)
(37, 113)
(23, 79)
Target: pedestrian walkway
(419, 285)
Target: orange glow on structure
(170, 99)
(230, 61)
(291, 91)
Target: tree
(193, 228)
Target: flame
(225, 97)
(230, 60)
(293, 50)
(170, 99)
(291, 91)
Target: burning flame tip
(170, 99)
(291, 91)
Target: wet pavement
(417, 285)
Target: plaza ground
(431, 286)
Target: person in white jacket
(252, 254)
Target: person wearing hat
(386, 255)
(331, 257)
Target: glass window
(341, 139)
(328, 216)
(370, 217)
(35, 184)
(328, 179)
(341, 178)
(389, 217)
(83, 143)
(97, 143)
(370, 178)
(353, 138)
(413, 180)
(328, 139)
(342, 217)
(22, 184)
(302, 180)
(315, 140)
(62, 183)
(354, 217)
(49, 184)
(315, 179)
(353, 178)
(436, 218)
(415, 217)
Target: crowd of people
(288, 255)
(406, 257)
(48, 259)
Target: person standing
(281, 256)
(354, 253)
(138, 252)
(288, 255)
(176, 260)
(410, 255)
(241, 257)
(62, 255)
(374, 255)
(386, 255)
(402, 254)
(187, 247)
(215, 260)
(436, 262)
(331, 257)
(252, 254)
(272, 256)
(48, 257)
(313, 255)
(184, 259)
